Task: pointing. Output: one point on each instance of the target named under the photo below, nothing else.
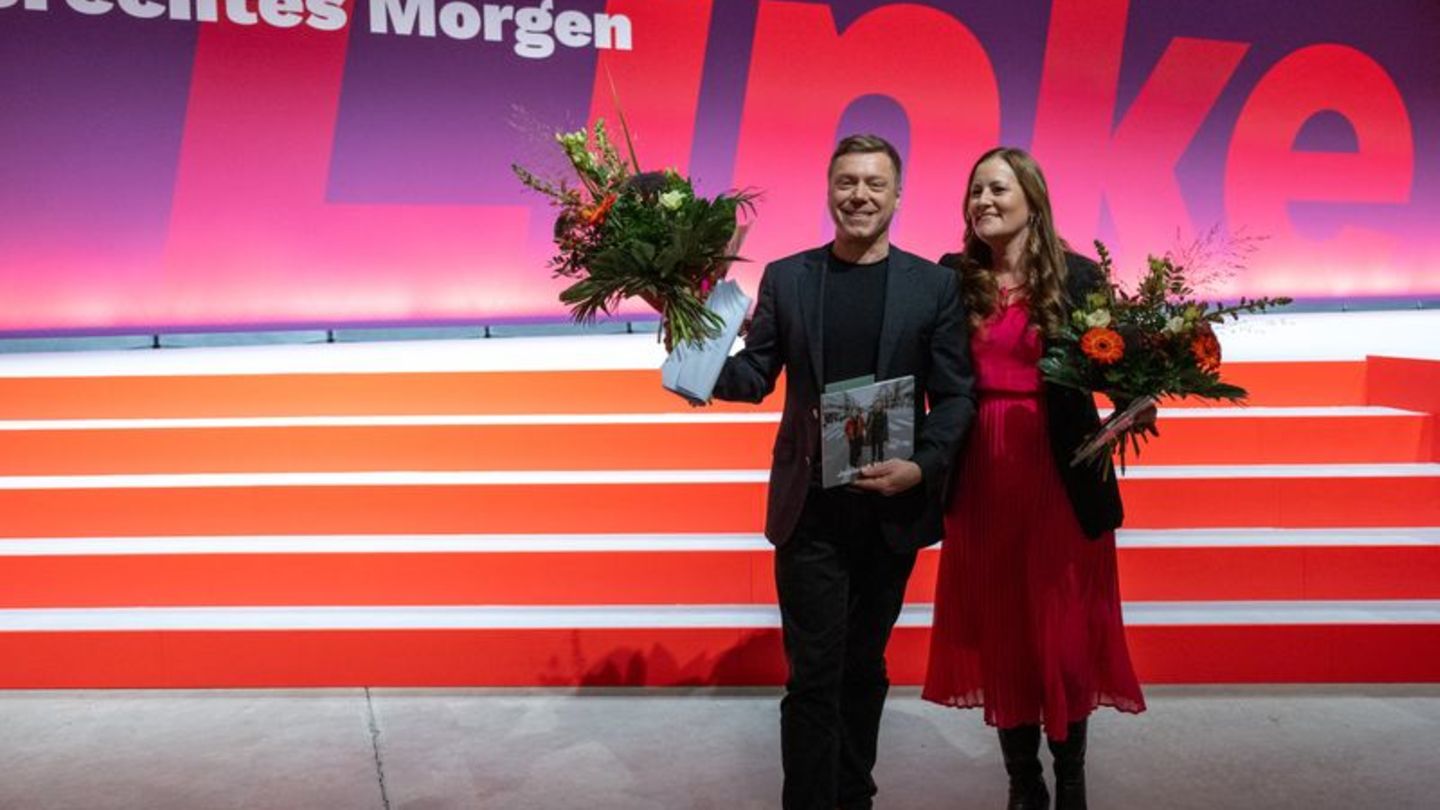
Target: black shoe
(1020, 747)
(1070, 768)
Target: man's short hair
(864, 144)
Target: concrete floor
(1254, 747)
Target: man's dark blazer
(1073, 418)
(923, 334)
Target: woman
(1027, 612)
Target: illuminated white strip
(384, 479)
(1267, 412)
(381, 544)
(557, 419)
(568, 353)
(1276, 538)
(399, 420)
(635, 477)
(689, 617)
(389, 618)
(1319, 336)
(1174, 471)
(1152, 614)
(626, 543)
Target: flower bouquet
(1139, 347)
(626, 233)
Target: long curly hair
(1044, 256)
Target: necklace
(1010, 294)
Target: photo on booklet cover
(864, 424)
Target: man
(855, 307)
(879, 431)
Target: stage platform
(538, 512)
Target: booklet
(863, 421)
(691, 370)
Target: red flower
(1206, 348)
(595, 214)
(1104, 346)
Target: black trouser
(841, 589)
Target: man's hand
(890, 477)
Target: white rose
(672, 200)
(1175, 325)
(1098, 318)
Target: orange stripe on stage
(566, 578)
(654, 657)
(657, 577)
(648, 657)
(623, 391)
(335, 449)
(1324, 382)
(384, 510)
(659, 508)
(636, 391)
(1291, 440)
(1255, 573)
(1305, 654)
(1194, 440)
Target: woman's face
(997, 210)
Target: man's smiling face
(863, 193)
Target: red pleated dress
(1027, 608)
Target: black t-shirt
(854, 311)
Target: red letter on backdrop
(1263, 175)
(252, 236)
(1132, 165)
(803, 74)
(658, 82)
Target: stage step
(598, 441)
(687, 501)
(600, 645)
(653, 569)
(196, 392)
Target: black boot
(1021, 748)
(1070, 768)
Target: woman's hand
(1145, 419)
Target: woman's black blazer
(1073, 418)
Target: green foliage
(639, 234)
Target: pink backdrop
(169, 173)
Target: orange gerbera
(1206, 348)
(1104, 346)
(595, 214)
